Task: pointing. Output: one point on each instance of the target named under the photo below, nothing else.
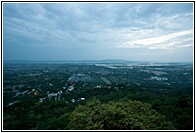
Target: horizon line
(98, 60)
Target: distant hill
(112, 61)
(68, 61)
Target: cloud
(96, 26)
(189, 14)
(170, 41)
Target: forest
(171, 110)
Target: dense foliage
(175, 105)
(130, 115)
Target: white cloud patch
(189, 14)
(170, 41)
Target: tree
(130, 115)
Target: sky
(96, 31)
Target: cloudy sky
(95, 31)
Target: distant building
(17, 94)
(71, 88)
(158, 78)
(64, 87)
(79, 77)
(42, 100)
(73, 100)
(59, 95)
(10, 104)
(50, 84)
(24, 92)
(53, 95)
(82, 99)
